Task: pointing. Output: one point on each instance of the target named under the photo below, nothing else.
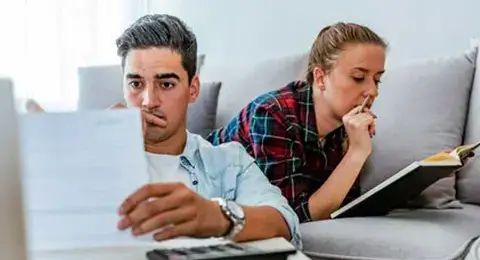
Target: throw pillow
(421, 110)
(202, 114)
(468, 179)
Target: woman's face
(354, 76)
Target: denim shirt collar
(188, 156)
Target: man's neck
(172, 146)
(325, 120)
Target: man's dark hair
(161, 30)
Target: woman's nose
(373, 90)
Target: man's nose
(151, 97)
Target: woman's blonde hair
(332, 39)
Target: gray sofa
(424, 107)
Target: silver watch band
(237, 222)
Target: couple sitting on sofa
(292, 155)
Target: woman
(310, 137)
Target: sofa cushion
(403, 234)
(240, 84)
(468, 180)
(421, 110)
(474, 252)
(202, 114)
(101, 87)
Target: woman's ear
(319, 77)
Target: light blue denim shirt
(228, 171)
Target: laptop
(12, 228)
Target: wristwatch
(234, 213)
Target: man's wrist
(224, 223)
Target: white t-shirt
(166, 168)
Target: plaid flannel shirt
(279, 130)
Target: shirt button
(195, 182)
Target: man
(197, 190)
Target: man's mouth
(155, 119)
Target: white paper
(78, 168)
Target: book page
(464, 150)
(77, 169)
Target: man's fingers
(146, 192)
(162, 220)
(147, 209)
(117, 106)
(143, 211)
(152, 119)
(32, 106)
(183, 229)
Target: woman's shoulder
(284, 99)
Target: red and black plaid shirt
(279, 130)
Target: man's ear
(194, 89)
(319, 77)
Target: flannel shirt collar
(305, 101)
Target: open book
(406, 184)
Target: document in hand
(77, 169)
(403, 186)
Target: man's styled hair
(161, 30)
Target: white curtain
(44, 42)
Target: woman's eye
(135, 84)
(358, 79)
(377, 81)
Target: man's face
(156, 82)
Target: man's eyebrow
(132, 76)
(167, 76)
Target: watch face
(236, 210)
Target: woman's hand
(360, 127)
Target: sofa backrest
(468, 180)
(240, 84)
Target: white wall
(242, 31)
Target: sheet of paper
(78, 168)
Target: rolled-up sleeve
(254, 189)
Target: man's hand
(147, 118)
(32, 106)
(171, 210)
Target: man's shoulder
(228, 150)
(224, 154)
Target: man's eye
(135, 84)
(167, 85)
